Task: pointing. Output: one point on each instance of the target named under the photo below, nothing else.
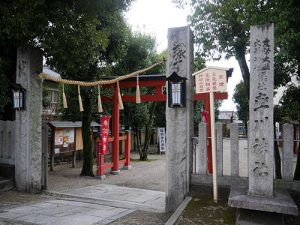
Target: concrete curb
(108, 202)
(172, 220)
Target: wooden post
(213, 145)
(127, 150)
(116, 125)
(73, 158)
(52, 147)
(207, 108)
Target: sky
(156, 16)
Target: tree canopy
(79, 39)
(222, 27)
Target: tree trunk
(148, 128)
(140, 137)
(240, 57)
(144, 150)
(277, 157)
(87, 168)
(138, 141)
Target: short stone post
(202, 145)
(179, 119)
(287, 152)
(219, 148)
(234, 149)
(28, 162)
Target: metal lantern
(176, 90)
(19, 96)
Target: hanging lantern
(176, 90)
(19, 96)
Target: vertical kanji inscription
(261, 110)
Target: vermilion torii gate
(158, 82)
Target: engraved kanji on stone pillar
(261, 140)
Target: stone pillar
(28, 159)
(179, 120)
(234, 149)
(202, 148)
(287, 152)
(261, 135)
(219, 148)
(260, 196)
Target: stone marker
(260, 196)
(179, 120)
(287, 152)
(219, 148)
(202, 148)
(261, 134)
(234, 149)
(28, 166)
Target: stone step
(6, 184)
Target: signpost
(162, 139)
(104, 134)
(102, 148)
(210, 80)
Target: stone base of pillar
(115, 172)
(253, 217)
(101, 177)
(127, 167)
(281, 202)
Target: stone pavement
(99, 204)
(62, 212)
(113, 195)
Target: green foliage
(46, 96)
(139, 53)
(289, 107)
(223, 28)
(80, 39)
(241, 100)
(197, 113)
(199, 63)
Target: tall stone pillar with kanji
(179, 130)
(28, 159)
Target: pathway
(82, 200)
(99, 204)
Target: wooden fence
(7, 142)
(232, 157)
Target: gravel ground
(147, 175)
